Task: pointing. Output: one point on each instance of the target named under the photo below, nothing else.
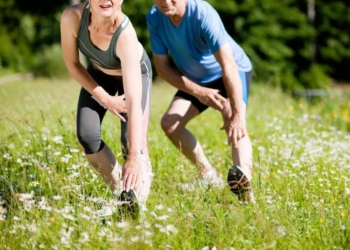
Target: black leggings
(90, 113)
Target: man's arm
(210, 97)
(230, 77)
(235, 125)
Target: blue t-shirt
(192, 44)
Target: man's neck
(181, 9)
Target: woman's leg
(89, 118)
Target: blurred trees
(289, 45)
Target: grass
(301, 177)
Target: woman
(117, 64)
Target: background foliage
(286, 47)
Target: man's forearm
(233, 87)
(176, 79)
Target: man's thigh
(181, 111)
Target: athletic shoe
(212, 178)
(240, 184)
(130, 207)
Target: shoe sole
(238, 182)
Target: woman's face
(105, 7)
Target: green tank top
(106, 59)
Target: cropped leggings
(90, 113)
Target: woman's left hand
(132, 171)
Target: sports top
(192, 43)
(106, 59)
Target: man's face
(168, 7)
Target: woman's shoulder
(74, 12)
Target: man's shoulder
(200, 7)
(153, 13)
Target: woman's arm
(128, 52)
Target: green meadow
(52, 199)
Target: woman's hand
(116, 105)
(132, 172)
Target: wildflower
(66, 158)
(169, 229)
(281, 230)
(57, 197)
(69, 217)
(342, 214)
(58, 139)
(123, 225)
(40, 154)
(45, 130)
(159, 207)
(112, 239)
(34, 184)
(7, 156)
(163, 217)
(148, 242)
(32, 227)
(347, 191)
(134, 239)
(147, 233)
(84, 238)
(321, 220)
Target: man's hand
(236, 129)
(116, 105)
(234, 125)
(132, 172)
(211, 98)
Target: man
(213, 71)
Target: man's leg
(242, 156)
(240, 174)
(173, 123)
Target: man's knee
(169, 124)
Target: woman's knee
(91, 142)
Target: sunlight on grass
(50, 198)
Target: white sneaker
(212, 178)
